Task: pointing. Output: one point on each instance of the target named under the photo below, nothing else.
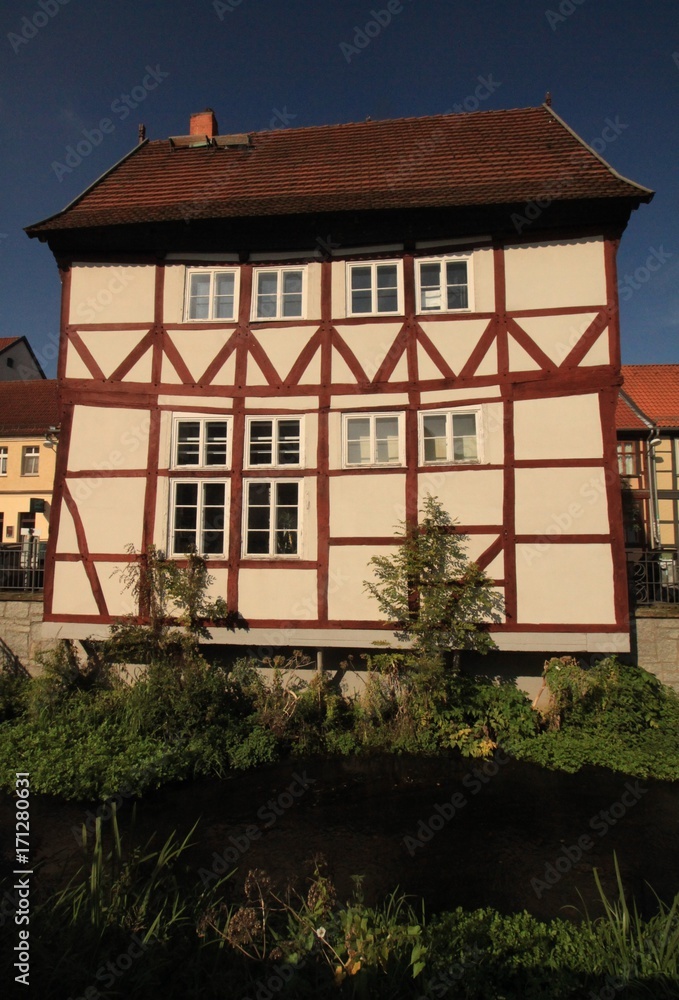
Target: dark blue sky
(612, 67)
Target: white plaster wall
(118, 600)
(365, 505)
(113, 513)
(457, 339)
(280, 594)
(469, 496)
(283, 346)
(370, 401)
(558, 335)
(558, 427)
(339, 289)
(110, 348)
(565, 584)
(348, 569)
(566, 501)
(112, 293)
(370, 343)
(546, 275)
(108, 438)
(484, 280)
(173, 293)
(72, 590)
(313, 302)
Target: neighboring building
(28, 412)
(275, 344)
(18, 363)
(647, 419)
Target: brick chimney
(204, 123)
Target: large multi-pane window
(30, 459)
(443, 285)
(211, 294)
(274, 441)
(198, 517)
(374, 288)
(272, 517)
(200, 442)
(373, 439)
(449, 437)
(278, 293)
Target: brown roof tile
(28, 407)
(655, 391)
(488, 157)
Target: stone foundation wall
(655, 645)
(21, 631)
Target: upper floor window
(628, 458)
(3, 461)
(375, 288)
(201, 442)
(275, 441)
(443, 284)
(198, 517)
(30, 458)
(211, 293)
(449, 437)
(272, 517)
(279, 293)
(373, 439)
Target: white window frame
(374, 265)
(275, 419)
(3, 459)
(280, 271)
(475, 411)
(200, 483)
(203, 420)
(273, 482)
(212, 271)
(443, 260)
(373, 463)
(34, 451)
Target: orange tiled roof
(7, 342)
(655, 391)
(484, 158)
(28, 407)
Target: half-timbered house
(275, 344)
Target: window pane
(387, 294)
(261, 442)
(267, 293)
(430, 286)
(199, 296)
(292, 282)
(287, 518)
(358, 441)
(288, 442)
(292, 304)
(213, 518)
(3, 462)
(185, 517)
(464, 437)
(361, 294)
(386, 275)
(259, 518)
(188, 442)
(224, 293)
(215, 442)
(434, 432)
(386, 436)
(456, 272)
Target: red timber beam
(87, 561)
(239, 339)
(414, 396)
(323, 446)
(509, 485)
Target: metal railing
(653, 578)
(22, 567)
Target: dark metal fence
(22, 567)
(653, 578)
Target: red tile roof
(28, 407)
(655, 391)
(484, 158)
(7, 342)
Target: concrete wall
(21, 631)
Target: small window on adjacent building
(30, 457)
(3, 460)
(449, 437)
(373, 439)
(274, 442)
(279, 293)
(375, 289)
(443, 284)
(198, 517)
(211, 294)
(628, 458)
(201, 442)
(272, 517)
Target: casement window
(30, 458)
(628, 458)
(3, 461)
(211, 293)
(198, 517)
(450, 436)
(373, 439)
(443, 284)
(273, 442)
(375, 288)
(278, 293)
(201, 443)
(272, 517)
